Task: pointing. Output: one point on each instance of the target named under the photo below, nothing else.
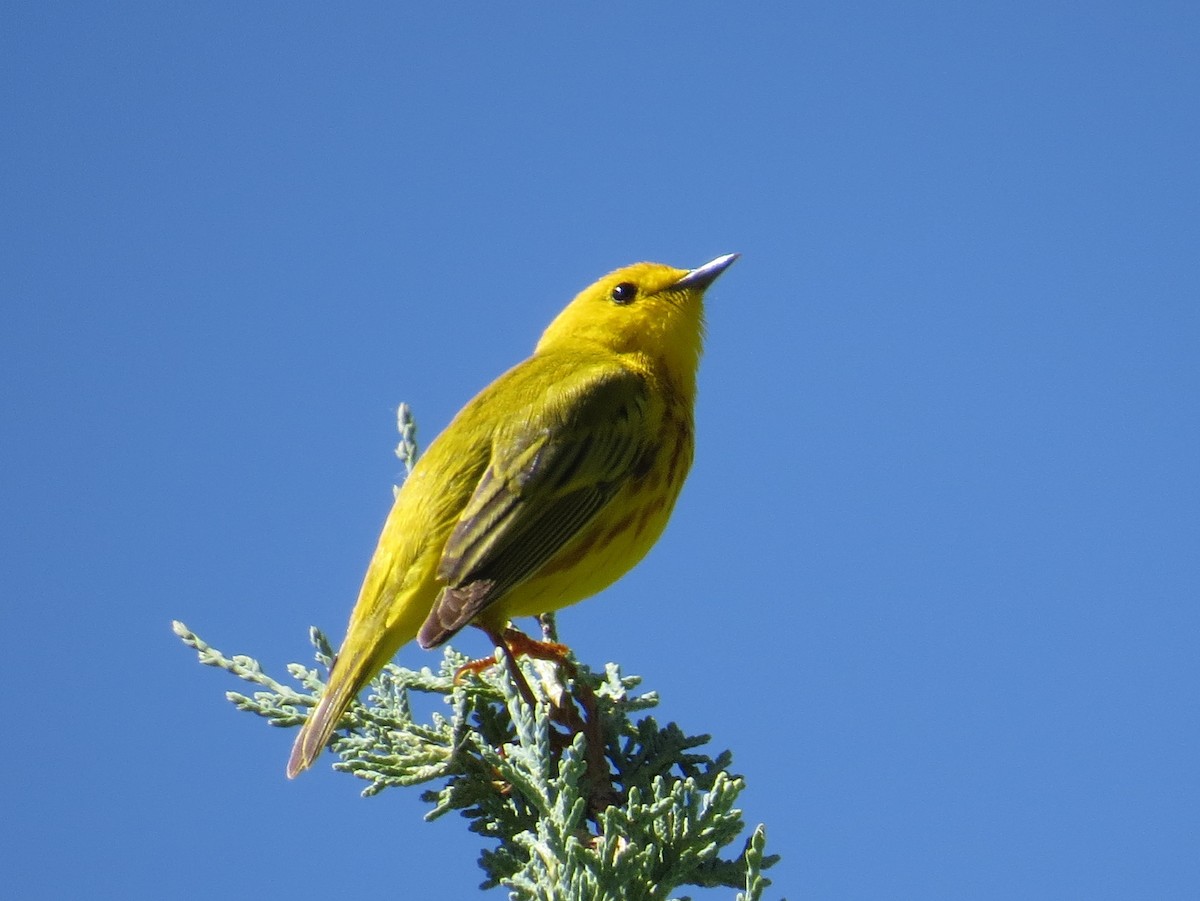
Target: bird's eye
(624, 293)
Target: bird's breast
(619, 536)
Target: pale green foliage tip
(562, 833)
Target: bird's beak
(707, 274)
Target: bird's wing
(549, 475)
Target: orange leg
(521, 645)
(515, 643)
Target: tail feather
(344, 684)
(387, 615)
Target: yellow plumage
(547, 487)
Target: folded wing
(550, 475)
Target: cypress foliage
(648, 815)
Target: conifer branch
(659, 818)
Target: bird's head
(647, 309)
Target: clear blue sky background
(934, 577)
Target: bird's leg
(583, 718)
(515, 643)
(521, 645)
(602, 794)
(475, 667)
(501, 640)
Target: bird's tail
(386, 616)
(350, 673)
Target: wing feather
(548, 477)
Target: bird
(548, 486)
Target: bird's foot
(576, 714)
(516, 643)
(473, 668)
(521, 645)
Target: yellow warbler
(546, 488)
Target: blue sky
(934, 576)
